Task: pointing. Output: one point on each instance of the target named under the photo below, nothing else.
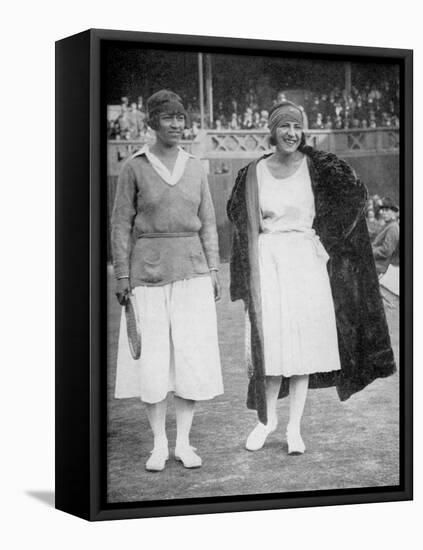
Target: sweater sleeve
(208, 231)
(124, 211)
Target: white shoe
(258, 436)
(188, 457)
(157, 460)
(295, 442)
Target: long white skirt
(180, 351)
(299, 326)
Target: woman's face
(170, 128)
(387, 214)
(288, 136)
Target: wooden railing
(226, 144)
(242, 143)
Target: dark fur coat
(363, 337)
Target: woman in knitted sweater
(165, 252)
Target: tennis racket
(133, 328)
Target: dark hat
(389, 203)
(165, 101)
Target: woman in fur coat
(302, 263)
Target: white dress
(299, 326)
(180, 350)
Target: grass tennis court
(350, 444)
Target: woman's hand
(123, 289)
(216, 285)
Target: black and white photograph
(253, 273)
(211, 256)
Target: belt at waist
(309, 234)
(165, 235)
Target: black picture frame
(81, 250)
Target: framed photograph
(233, 275)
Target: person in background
(280, 97)
(122, 122)
(328, 123)
(339, 125)
(233, 124)
(136, 121)
(372, 224)
(256, 119)
(386, 243)
(247, 121)
(318, 123)
(264, 118)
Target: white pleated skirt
(299, 326)
(180, 351)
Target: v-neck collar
(171, 178)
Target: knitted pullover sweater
(144, 205)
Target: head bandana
(285, 112)
(165, 102)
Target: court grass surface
(349, 445)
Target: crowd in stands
(131, 121)
(368, 107)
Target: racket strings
(132, 326)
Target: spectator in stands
(372, 224)
(315, 109)
(256, 119)
(328, 124)
(233, 124)
(111, 129)
(122, 123)
(359, 110)
(264, 118)
(221, 114)
(324, 105)
(338, 109)
(280, 97)
(318, 123)
(377, 204)
(386, 242)
(247, 122)
(251, 98)
(136, 121)
(338, 123)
